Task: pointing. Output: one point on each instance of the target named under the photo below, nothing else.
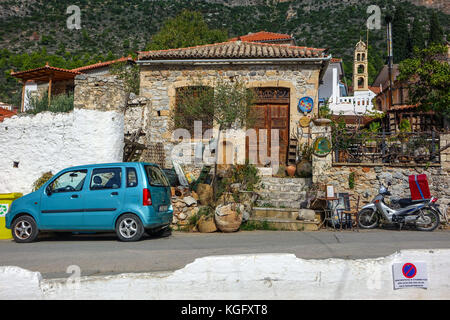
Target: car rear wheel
(24, 229)
(129, 228)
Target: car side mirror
(48, 190)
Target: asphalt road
(103, 254)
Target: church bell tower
(360, 68)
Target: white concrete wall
(54, 141)
(244, 277)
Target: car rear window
(156, 177)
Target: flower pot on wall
(321, 121)
(290, 170)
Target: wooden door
(268, 117)
(279, 119)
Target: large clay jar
(206, 224)
(205, 194)
(304, 169)
(227, 217)
(290, 170)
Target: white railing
(356, 101)
(7, 107)
(352, 105)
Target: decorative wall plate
(305, 104)
(304, 121)
(322, 146)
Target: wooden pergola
(44, 74)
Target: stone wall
(92, 133)
(104, 93)
(159, 84)
(365, 177)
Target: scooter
(423, 214)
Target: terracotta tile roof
(375, 90)
(335, 60)
(263, 36)
(234, 50)
(4, 113)
(402, 107)
(102, 64)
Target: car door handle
(114, 193)
(74, 196)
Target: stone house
(281, 73)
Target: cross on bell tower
(360, 68)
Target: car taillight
(147, 198)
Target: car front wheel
(24, 229)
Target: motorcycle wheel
(430, 220)
(367, 219)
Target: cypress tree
(400, 35)
(436, 34)
(417, 35)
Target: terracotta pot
(291, 170)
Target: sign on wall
(410, 275)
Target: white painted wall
(30, 88)
(244, 277)
(54, 141)
(330, 81)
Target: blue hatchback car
(128, 198)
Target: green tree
(428, 77)
(400, 35)
(436, 34)
(229, 104)
(186, 30)
(417, 35)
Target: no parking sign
(410, 275)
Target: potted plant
(324, 115)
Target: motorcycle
(423, 214)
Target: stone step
(288, 224)
(278, 203)
(293, 181)
(284, 187)
(279, 195)
(278, 213)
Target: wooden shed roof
(45, 73)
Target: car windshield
(156, 177)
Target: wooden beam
(22, 107)
(50, 81)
